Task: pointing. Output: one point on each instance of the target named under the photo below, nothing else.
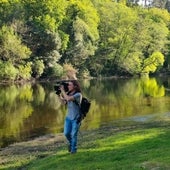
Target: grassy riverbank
(145, 146)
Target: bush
(7, 71)
(55, 71)
(25, 71)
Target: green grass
(130, 149)
(142, 149)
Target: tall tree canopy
(39, 37)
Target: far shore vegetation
(61, 39)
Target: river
(32, 110)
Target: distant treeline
(46, 38)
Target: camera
(58, 85)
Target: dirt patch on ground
(39, 147)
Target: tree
(116, 31)
(152, 63)
(128, 36)
(38, 68)
(82, 24)
(96, 37)
(12, 49)
(7, 71)
(13, 54)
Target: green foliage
(101, 37)
(128, 36)
(7, 71)
(158, 30)
(83, 21)
(12, 48)
(132, 63)
(56, 71)
(43, 21)
(51, 65)
(24, 71)
(8, 9)
(159, 15)
(38, 68)
(13, 54)
(116, 28)
(64, 40)
(44, 13)
(153, 62)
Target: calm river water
(30, 111)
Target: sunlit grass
(131, 138)
(128, 150)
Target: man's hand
(62, 88)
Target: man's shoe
(73, 152)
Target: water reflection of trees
(115, 99)
(28, 110)
(25, 109)
(13, 109)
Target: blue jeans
(71, 128)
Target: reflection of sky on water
(148, 118)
